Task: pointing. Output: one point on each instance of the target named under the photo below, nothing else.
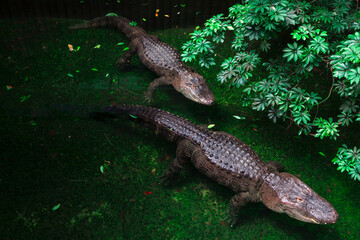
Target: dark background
(182, 13)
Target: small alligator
(160, 57)
(230, 162)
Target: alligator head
(285, 193)
(193, 86)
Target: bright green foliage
(348, 160)
(324, 36)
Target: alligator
(230, 162)
(160, 57)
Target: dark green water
(54, 158)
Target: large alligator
(230, 162)
(160, 57)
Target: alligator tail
(121, 23)
(162, 122)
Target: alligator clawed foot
(122, 64)
(168, 179)
(147, 98)
(231, 220)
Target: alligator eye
(305, 192)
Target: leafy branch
(325, 35)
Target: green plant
(348, 160)
(325, 38)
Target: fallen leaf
(239, 118)
(56, 207)
(322, 154)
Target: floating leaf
(144, 19)
(77, 71)
(107, 75)
(125, 48)
(23, 98)
(70, 75)
(70, 47)
(132, 116)
(102, 169)
(120, 43)
(56, 207)
(8, 87)
(107, 164)
(78, 48)
(322, 154)
(183, 5)
(97, 46)
(166, 15)
(197, 13)
(94, 69)
(239, 118)
(211, 126)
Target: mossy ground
(47, 160)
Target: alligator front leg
(153, 86)
(126, 57)
(236, 203)
(183, 153)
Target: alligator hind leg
(153, 86)
(183, 153)
(124, 60)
